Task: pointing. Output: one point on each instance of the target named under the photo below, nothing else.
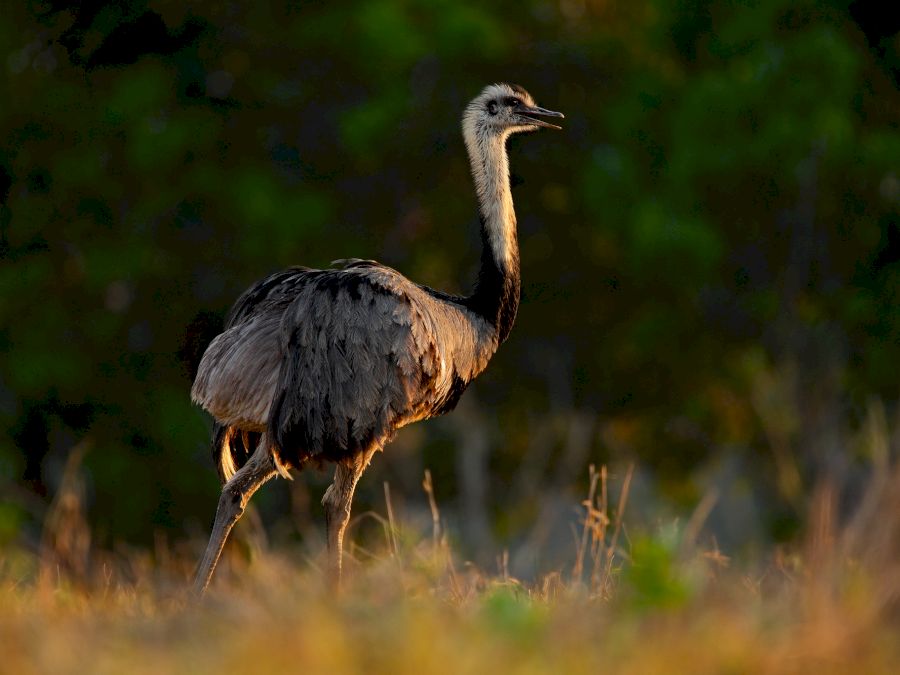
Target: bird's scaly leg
(235, 495)
(337, 500)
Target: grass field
(652, 603)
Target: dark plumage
(330, 361)
(325, 365)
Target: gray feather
(332, 360)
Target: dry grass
(636, 604)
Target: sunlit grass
(829, 604)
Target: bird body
(325, 365)
(333, 360)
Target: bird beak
(528, 113)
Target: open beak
(528, 113)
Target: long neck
(497, 290)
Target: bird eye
(515, 101)
(492, 107)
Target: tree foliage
(711, 248)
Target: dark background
(710, 249)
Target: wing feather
(354, 365)
(237, 375)
(331, 361)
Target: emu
(325, 365)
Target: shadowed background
(710, 250)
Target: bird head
(504, 109)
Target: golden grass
(830, 605)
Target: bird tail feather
(231, 449)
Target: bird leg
(235, 495)
(337, 500)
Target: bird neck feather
(496, 295)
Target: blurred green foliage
(653, 580)
(710, 249)
(510, 611)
